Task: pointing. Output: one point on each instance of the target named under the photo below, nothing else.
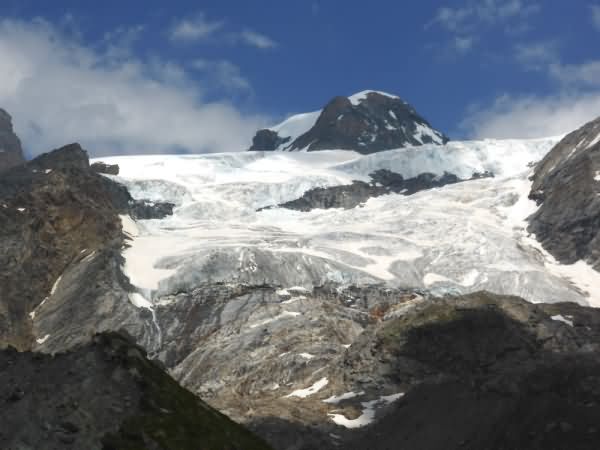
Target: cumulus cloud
(59, 90)
(532, 116)
(575, 101)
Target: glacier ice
(459, 238)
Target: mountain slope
(566, 184)
(366, 122)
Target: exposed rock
(566, 184)
(145, 209)
(105, 395)
(109, 169)
(366, 122)
(267, 140)
(383, 182)
(56, 214)
(11, 153)
(485, 371)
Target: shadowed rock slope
(106, 395)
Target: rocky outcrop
(57, 214)
(366, 122)
(485, 371)
(105, 395)
(566, 185)
(383, 182)
(109, 169)
(11, 153)
(268, 140)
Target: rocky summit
(11, 153)
(366, 122)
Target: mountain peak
(357, 98)
(366, 122)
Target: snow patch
(55, 285)
(368, 412)
(42, 340)
(335, 399)
(316, 387)
(357, 98)
(561, 318)
(129, 226)
(283, 315)
(139, 301)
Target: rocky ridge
(566, 185)
(383, 182)
(11, 153)
(366, 122)
(55, 214)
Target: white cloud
(576, 99)
(195, 28)
(467, 23)
(59, 91)
(537, 55)
(474, 13)
(463, 44)
(199, 28)
(595, 9)
(587, 73)
(255, 39)
(531, 116)
(224, 73)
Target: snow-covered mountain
(326, 326)
(366, 122)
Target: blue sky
(132, 76)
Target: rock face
(489, 371)
(105, 395)
(383, 182)
(566, 184)
(366, 122)
(109, 169)
(56, 214)
(11, 153)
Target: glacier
(459, 238)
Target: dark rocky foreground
(383, 182)
(11, 153)
(379, 122)
(105, 395)
(488, 372)
(566, 184)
